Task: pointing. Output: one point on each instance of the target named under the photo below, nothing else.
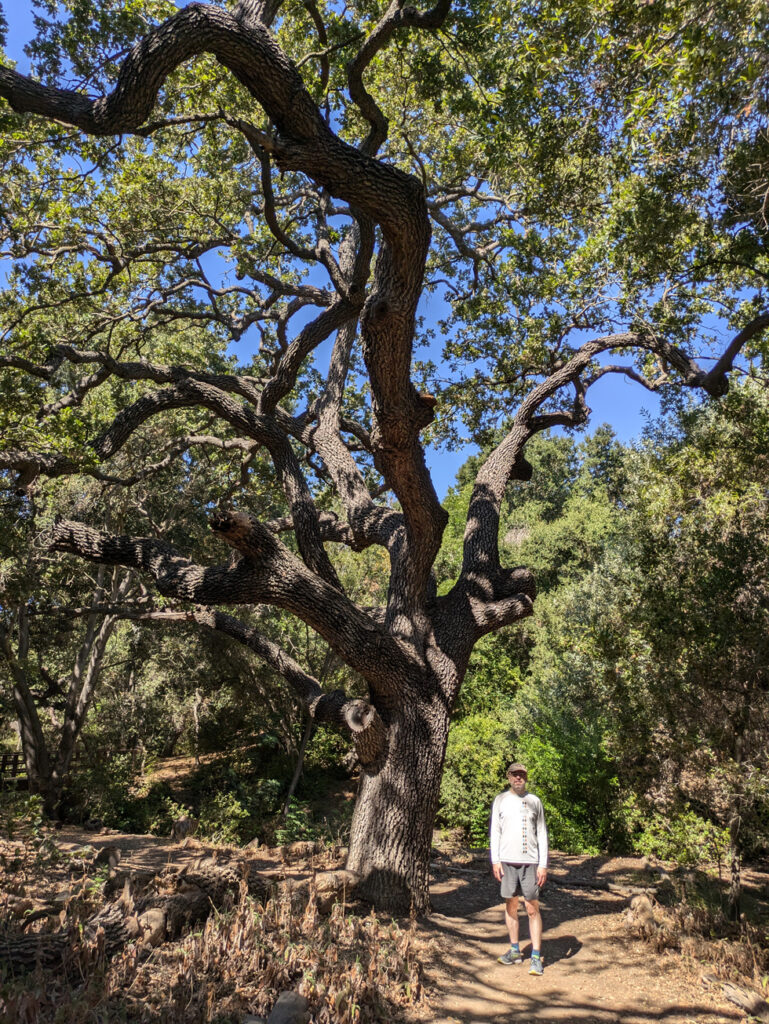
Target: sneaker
(512, 956)
(537, 967)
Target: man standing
(519, 851)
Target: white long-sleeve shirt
(518, 830)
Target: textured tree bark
(391, 835)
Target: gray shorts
(519, 878)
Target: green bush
(168, 811)
(114, 794)
(681, 835)
(576, 783)
(474, 772)
(224, 819)
(325, 753)
(20, 814)
(297, 824)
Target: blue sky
(613, 399)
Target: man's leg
(535, 923)
(511, 919)
(535, 931)
(513, 955)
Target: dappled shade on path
(594, 972)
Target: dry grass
(351, 968)
(735, 952)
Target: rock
(109, 855)
(184, 827)
(152, 926)
(290, 1008)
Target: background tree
(657, 655)
(144, 175)
(516, 696)
(700, 587)
(53, 669)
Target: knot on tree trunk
(518, 580)
(369, 734)
(231, 525)
(245, 533)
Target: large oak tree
(339, 162)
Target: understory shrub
(115, 793)
(577, 785)
(681, 835)
(223, 818)
(474, 772)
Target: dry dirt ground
(594, 972)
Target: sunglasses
(517, 775)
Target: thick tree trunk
(392, 825)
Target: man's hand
(498, 872)
(541, 876)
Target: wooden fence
(13, 771)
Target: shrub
(166, 814)
(114, 793)
(576, 784)
(680, 835)
(474, 772)
(224, 819)
(297, 824)
(21, 813)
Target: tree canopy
(222, 221)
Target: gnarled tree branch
(267, 574)
(481, 547)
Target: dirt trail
(594, 972)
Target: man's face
(517, 782)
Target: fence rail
(13, 771)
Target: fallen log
(750, 1002)
(106, 932)
(172, 901)
(327, 887)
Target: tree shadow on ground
(594, 972)
(469, 897)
